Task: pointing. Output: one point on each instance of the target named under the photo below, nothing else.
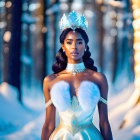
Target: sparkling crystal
(74, 121)
(73, 21)
(74, 73)
(75, 68)
(74, 103)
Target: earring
(63, 51)
(85, 50)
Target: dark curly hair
(61, 58)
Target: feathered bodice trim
(88, 95)
(60, 95)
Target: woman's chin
(76, 59)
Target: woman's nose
(74, 45)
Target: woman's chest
(87, 94)
(74, 82)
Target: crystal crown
(73, 21)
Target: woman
(75, 88)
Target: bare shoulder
(101, 77)
(48, 80)
(101, 80)
(103, 84)
(98, 76)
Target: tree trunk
(12, 44)
(100, 29)
(39, 51)
(115, 49)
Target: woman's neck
(74, 62)
(75, 68)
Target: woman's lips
(74, 53)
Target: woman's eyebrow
(79, 39)
(69, 39)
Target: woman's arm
(103, 110)
(49, 124)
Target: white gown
(76, 114)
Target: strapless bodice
(76, 113)
(88, 95)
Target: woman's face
(74, 46)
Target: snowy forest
(29, 42)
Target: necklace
(75, 68)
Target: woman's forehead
(73, 35)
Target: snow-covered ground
(20, 121)
(25, 121)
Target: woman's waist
(74, 124)
(74, 128)
(76, 120)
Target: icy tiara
(73, 21)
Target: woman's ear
(63, 47)
(85, 47)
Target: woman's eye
(69, 43)
(80, 42)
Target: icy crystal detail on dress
(74, 103)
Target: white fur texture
(88, 95)
(60, 95)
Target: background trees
(12, 44)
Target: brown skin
(75, 42)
